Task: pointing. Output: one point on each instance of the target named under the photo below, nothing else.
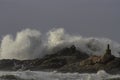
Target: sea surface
(40, 75)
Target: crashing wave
(35, 75)
(31, 44)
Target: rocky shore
(67, 60)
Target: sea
(40, 75)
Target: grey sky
(99, 18)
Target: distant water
(39, 75)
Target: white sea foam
(39, 75)
(30, 44)
(26, 45)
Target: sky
(97, 18)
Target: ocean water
(40, 75)
(31, 44)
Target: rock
(53, 63)
(107, 56)
(67, 60)
(91, 60)
(64, 57)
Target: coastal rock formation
(107, 62)
(68, 59)
(107, 56)
(57, 60)
(64, 57)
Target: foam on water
(39, 75)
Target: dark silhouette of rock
(64, 57)
(73, 48)
(68, 59)
(99, 59)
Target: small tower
(108, 50)
(73, 48)
(107, 56)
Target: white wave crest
(39, 75)
(29, 44)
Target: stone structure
(107, 56)
(73, 48)
(108, 50)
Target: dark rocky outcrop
(107, 56)
(67, 60)
(107, 62)
(63, 57)
(54, 61)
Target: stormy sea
(30, 44)
(39, 75)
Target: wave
(31, 44)
(39, 75)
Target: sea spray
(31, 44)
(39, 75)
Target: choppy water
(39, 75)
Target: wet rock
(67, 60)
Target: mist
(25, 45)
(31, 44)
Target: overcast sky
(99, 18)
